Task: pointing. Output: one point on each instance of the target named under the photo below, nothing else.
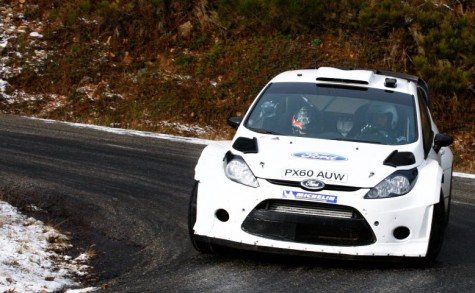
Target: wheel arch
(210, 162)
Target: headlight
(237, 170)
(396, 184)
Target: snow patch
(28, 258)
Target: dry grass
(464, 149)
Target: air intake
(335, 75)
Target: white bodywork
(360, 165)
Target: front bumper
(308, 222)
(240, 216)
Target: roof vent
(390, 82)
(330, 74)
(342, 80)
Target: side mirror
(441, 140)
(234, 122)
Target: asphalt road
(126, 198)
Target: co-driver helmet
(304, 121)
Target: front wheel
(437, 231)
(198, 244)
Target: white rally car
(329, 162)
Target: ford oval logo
(312, 184)
(320, 156)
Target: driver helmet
(377, 109)
(304, 121)
(268, 109)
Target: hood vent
(396, 159)
(246, 145)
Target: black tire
(449, 204)
(447, 213)
(437, 232)
(200, 245)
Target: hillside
(150, 64)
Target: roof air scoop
(341, 80)
(328, 74)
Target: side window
(427, 133)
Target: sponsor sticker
(320, 156)
(314, 173)
(310, 196)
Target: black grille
(304, 208)
(327, 186)
(309, 222)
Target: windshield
(340, 113)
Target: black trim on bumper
(353, 230)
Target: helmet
(268, 108)
(384, 108)
(304, 121)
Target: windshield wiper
(264, 131)
(357, 140)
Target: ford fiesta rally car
(328, 161)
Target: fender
(429, 182)
(211, 160)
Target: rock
(85, 80)
(127, 59)
(5, 87)
(184, 30)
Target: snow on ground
(31, 258)
(190, 129)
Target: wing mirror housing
(234, 122)
(441, 140)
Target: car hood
(333, 162)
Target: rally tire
(449, 204)
(438, 226)
(200, 245)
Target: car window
(340, 113)
(426, 129)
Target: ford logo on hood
(320, 156)
(312, 184)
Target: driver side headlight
(237, 170)
(396, 184)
